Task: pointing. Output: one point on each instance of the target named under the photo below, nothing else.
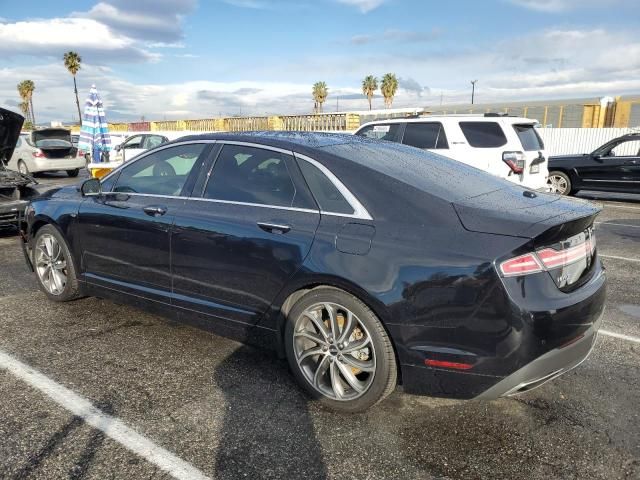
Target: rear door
(124, 233)
(235, 246)
(427, 136)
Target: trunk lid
(522, 213)
(10, 126)
(54, 142)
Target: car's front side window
(164, 172)
(133, 142)
(629, 148)
(246, 174)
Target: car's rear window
(381, 131)
(529, 137)
(483, 134)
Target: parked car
(15, 187)
(46, 150)
(365, 263)
(507, 147)
(612, 167)
(136, 144)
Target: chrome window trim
(359, 211)
(248, 204)
(154, 150)
(255, 145)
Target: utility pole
(473, 90)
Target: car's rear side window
(260, 176)
(425, 135)
(483, 134)
(325, 192)
(529, 137)
(387, 131)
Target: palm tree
(23, 91)
(29, 89)
(389, 87)
(320, 93)
(72, 62)
(369, 86)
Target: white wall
(561, 141)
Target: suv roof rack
(496, 114)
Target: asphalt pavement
(92, 389)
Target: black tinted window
(325, 192)
(425, 135)
(529, 137)
(381, 132)
(160, 173)
(483, 134)
(251, 175)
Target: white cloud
(55, 36)
(365, 6)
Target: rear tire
(54, 266)
(560, 183)
(73, 173)
(338, 351)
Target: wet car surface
(232, 411)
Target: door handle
(155, 210)
(274, 227)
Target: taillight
(515, 160)
(37, 154)
(522, 265)
(547, 259)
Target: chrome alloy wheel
(558, 184)
(51, 265)
(334, 351)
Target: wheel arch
(297, 290)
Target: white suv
(508, 147)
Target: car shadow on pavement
(267, 428)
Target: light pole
(473, 90)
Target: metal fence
(565, 141)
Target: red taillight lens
(37, 154)
(522, 265)
(547, 259)
(515, 160)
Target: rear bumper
(545, 368)
(55, 164)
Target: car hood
(517, 212)
(10, 126)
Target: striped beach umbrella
(94, 133)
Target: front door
(234, 248)
(124, 233)
(615, 166)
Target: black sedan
(613, 167)
(366, 264)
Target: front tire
(560, 183)
(339, 352)
(54, 266)
(73, 173)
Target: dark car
(15, 189)
(613, 167)
(365, 263)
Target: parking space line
(111, 426)
(620, 206)
(620, 258)
(617, 224)
(621, 336)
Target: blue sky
(189, 59)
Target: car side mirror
(91, 187)
(118, 148)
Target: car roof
(458, 117)
(289, 140)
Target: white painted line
(621, 206)
(617, 224)
(628, 338)
(111, 426)
(620, 258)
